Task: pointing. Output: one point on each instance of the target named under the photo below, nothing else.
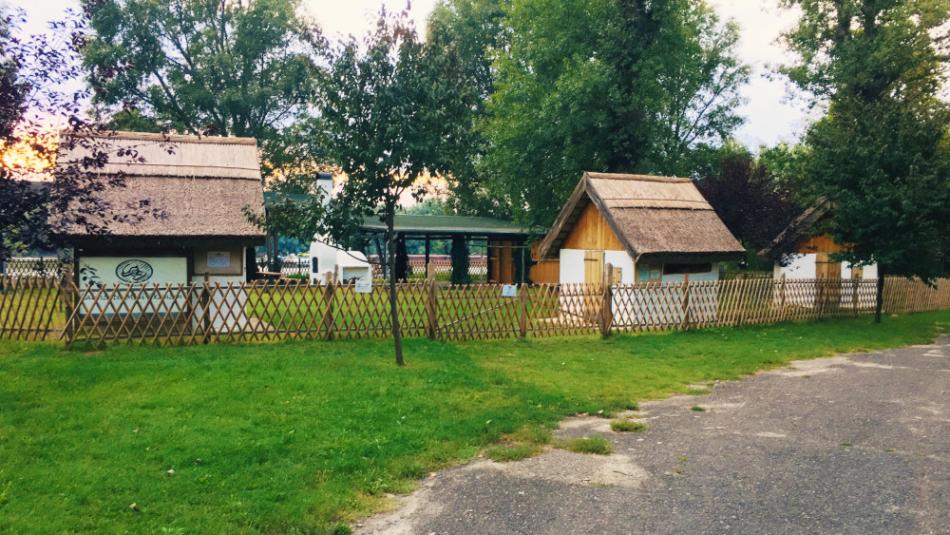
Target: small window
(647, 273)
(314, 265)
(679, 269)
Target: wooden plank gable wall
(591, 232)
(823, 246)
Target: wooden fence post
(206, 310)
(854, 294)
(328, 323)
(685, 303)
(432, 303)
(606, 307)
(783, 292)
(522, 311)
(69, 294)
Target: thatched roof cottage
(648, 228)
(180, 216)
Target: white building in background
(327, 260)
(813, 251)
(813, 256)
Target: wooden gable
(592, 232)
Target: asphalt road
(851, 444)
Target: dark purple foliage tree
(749, 197)
(35, 101)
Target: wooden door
(593, 267)
(593, 275)
(825, 268)
(828, 273)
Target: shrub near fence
(54, 308)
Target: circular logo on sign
(134, 271)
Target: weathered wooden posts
(328, 296)
(685, 303)
(432, 303)
(522, 311)
(606, 306)
(205, 301)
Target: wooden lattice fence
(51, 308)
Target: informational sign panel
(364, 285)
(219, 259)
(509, 290)
(109, 270)
(136, 277)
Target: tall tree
(466, 35)
(605, 85)
(383, 122)
(881, 155)
(37, 202)
(215, 67)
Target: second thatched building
(647, 228)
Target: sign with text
(509, 290)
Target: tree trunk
(879, 298)
(393, 308)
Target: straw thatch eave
(661, 218)
(177, 186)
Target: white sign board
(364, 285)
(99, 274)
(109, 270)
(509, 290)
(219, 259)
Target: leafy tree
(460, 260)
(32, 213)
(881, 155)
(213, 67)
(754, 203)
(466, 35)
(430, 206)
(384, 107)
(605, 85)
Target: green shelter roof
(429, 224)
(447, 224)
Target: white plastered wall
(228, 307)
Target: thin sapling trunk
(393, 308)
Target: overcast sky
(770, 116)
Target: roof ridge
(175, 138)
(636, 177)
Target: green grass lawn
(300, 436)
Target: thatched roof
(799, 227)
(659, 218)
(201, 184)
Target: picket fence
(54, 308)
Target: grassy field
(304, 436)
